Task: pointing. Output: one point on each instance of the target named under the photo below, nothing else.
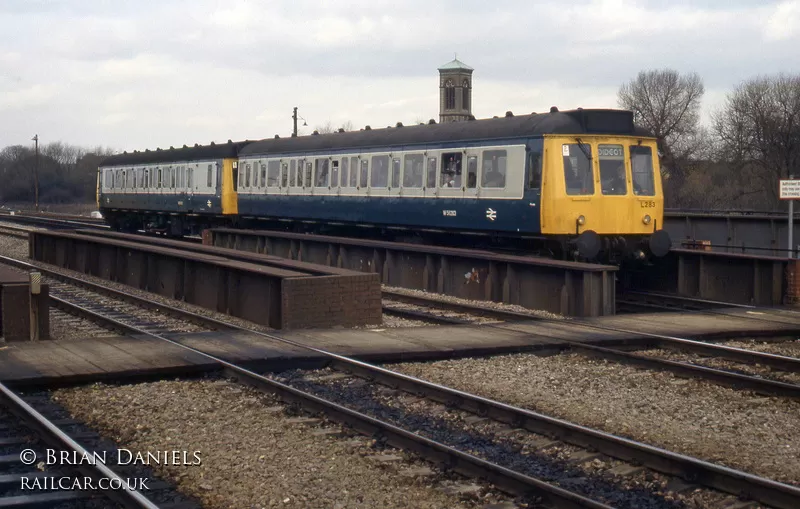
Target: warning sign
(790, 190)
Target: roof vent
(229, 142)
(471, 117)
(158, 149)
(509, 114)
(495, 116)
(184, 146)
(431, 122)
(580, 109)
(171, 147)
(315, 133)
(147, 150)
(367, 128)
(399, 124)
(294, 135)
(553, 109)
(196, 145)
(533, 113)
(212, 143)
(124, 151)
(341, 130)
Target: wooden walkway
(113, 359)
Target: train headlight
(581, 220)
(646, 219)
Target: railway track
(30, 425)
(729, 378)
(406, 435)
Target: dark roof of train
(567, 122)
(589, 121)
(198, 152)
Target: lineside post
(36, 291)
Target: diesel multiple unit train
(582, 183)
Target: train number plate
(450, 213)
(647, 204)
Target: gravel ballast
(735, 428)
(252, 456)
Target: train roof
(195, 153)
(580, 121)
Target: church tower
(455, 92)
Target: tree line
(736, 162)
(67, 173)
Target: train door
(430, 186)
(451, 174)
(533, 184)
(471, 173)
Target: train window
(273, 173)
(309, 174)
(534, 170)
(209, 182)
(642, 165)
(450, 176)
(430, 183)
(612, 169)
(380, 171)
(493, 169)
(364, 180)
(235, 175)
(334, 174)
(472, 170)
(578, 173)
(395, 173)
(284, 174)
(345, 168)
(159, 178)
(300, 166)
(322, 167)
(353, 171)
(172, 176)
(413, 170)
(247, 169)
(264, 173)
(292, 172)
(191, 178)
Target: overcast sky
(154, 73)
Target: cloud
(159, 73)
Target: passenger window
(431, 180)
(642, 165)
(395, 173)
(172, 174)
(472, 170)
(160, 179)
(413, 170)
(284, 174)
(322, 166)
(534, 170)
(613, 180)
(353, 171)
(191, 174)
(309, 175)
(493, 169)
(345, 168)
(364, 180)
(248, 167)
(208, 177)
(335, 174)
(292, 173)
(300, 165)
(263, 181)
(235, 176)
(272, 172)
(380, 171)
(578, 169)
(450, 175)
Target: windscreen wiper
(584, 148)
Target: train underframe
(587, 246)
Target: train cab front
(603, 198)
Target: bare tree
(668, 103)
(328, 127)
(759, 129)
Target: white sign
(565, 150)
(790, 190)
